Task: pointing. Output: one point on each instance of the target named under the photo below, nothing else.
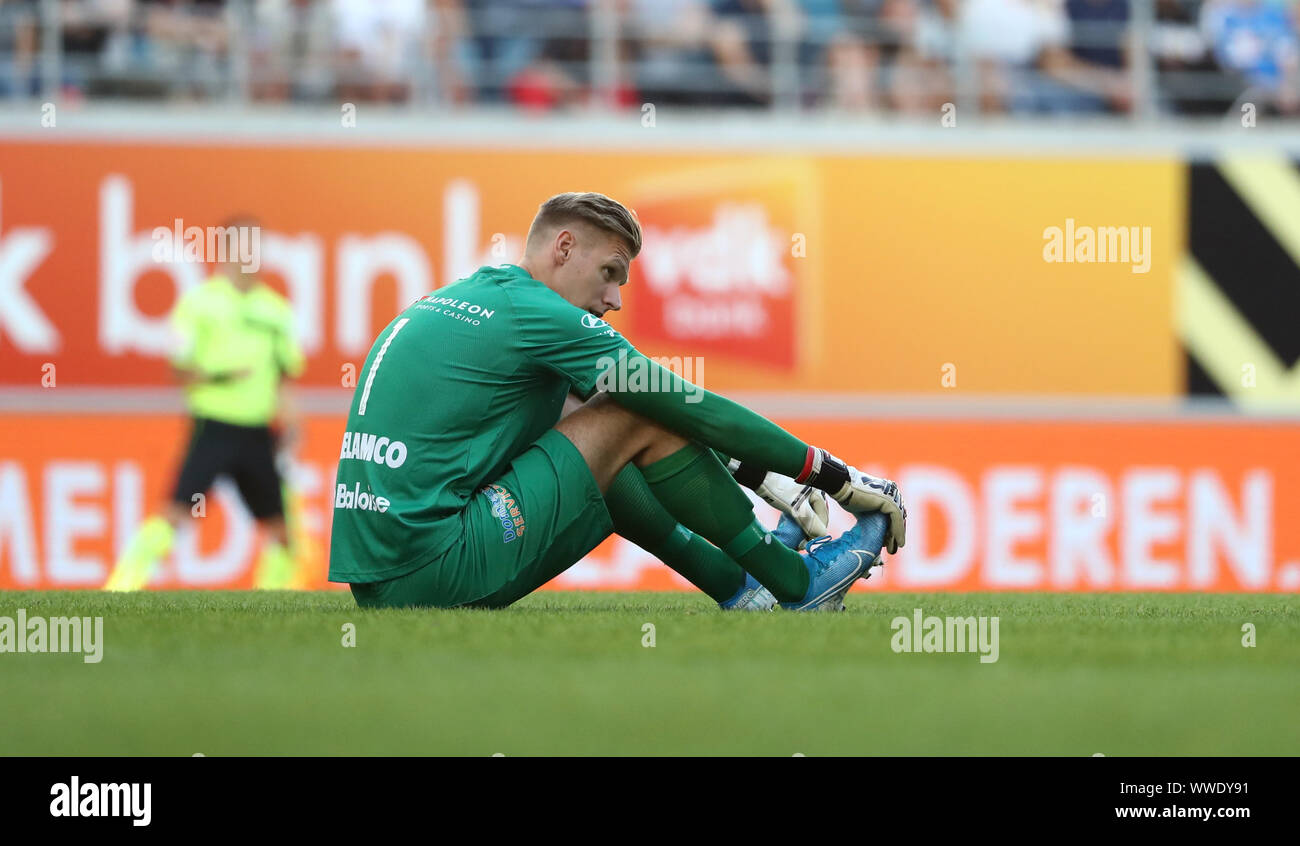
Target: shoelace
(818, 541)
(812, 550)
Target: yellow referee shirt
(223, 330)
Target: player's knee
(629, 420)
(275, 530)
(605, 426)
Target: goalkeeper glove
(802, 503)
(858, 492)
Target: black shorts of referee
(245, 454)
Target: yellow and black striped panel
(1239, 281)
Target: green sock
(696, 489)
(639, 517)
(151, 542)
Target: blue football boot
(751, 597)
(834, 565)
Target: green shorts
(519, 532)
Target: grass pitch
(567, 674)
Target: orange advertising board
(994, 505)
(783, 273)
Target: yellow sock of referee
(151, 542)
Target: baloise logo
(359, 500)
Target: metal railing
(1136, 59)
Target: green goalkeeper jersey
(453, 389)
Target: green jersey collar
(515, 270)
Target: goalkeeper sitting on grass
(462, 481)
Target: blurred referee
(235, 350)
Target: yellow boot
(133, 569)
(275, 568)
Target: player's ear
(565, 244)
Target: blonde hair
(591, 208)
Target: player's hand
(802, 503)
(864, 492)
(225, 377)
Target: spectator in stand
(448, 45)
(1189, 80)
(557, 75)
(669, 48)
(1024, 64)
(390, 51)
(186, 42)
(742, 48)
(85, 29)
(854, 56)
(887, 54)
(18, 47)
(289, 51)
(1100, 39)
(914, 71)
(378, 48)
(502, 40)
(819, 23)
(1258, 40)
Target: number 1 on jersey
(374, 366)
